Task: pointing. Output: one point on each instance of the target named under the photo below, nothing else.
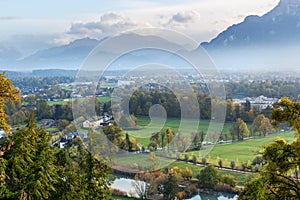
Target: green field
(244, 151)
(239, 177)
(131, 162)
(64, 101)
(147, 128)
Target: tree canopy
(10, 93)
(280, 177)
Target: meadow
(146, 128)
(243, 151)
(103, 99)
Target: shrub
(257, 160)
(187, 174)
(232, 164)
(191, 190)
(194, 159)
(220, 163)
(223, 188)
(186, 157)
(208, 177)
(244, 166)
(229, 180)
(204, 161)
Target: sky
(32, 25)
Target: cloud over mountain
(109, 23)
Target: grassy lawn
(141, 161)
(187, 127)
(240, 178)
(131, 161)
(244, 151)
(64, 101)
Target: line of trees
(141, 101)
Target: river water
(125, 184)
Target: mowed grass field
(244, 151)
(132, 162)
(148, 127)
(64, 101)
(239, 152)
(239, 177)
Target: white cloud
(185, 17)
(201, 20)
(109, 23)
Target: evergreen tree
(30, 170)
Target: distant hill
(271, 40)
(68, 56)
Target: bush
(220, 163)
(208, 177)
(204, 161)
(232, 164)
(194, 159)
(187, 174)
(186, 157)
(191, 190)
(257, 160)
(223, 188)
(244, 166)
(229, 180)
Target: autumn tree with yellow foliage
(280, 177)
(9, 93)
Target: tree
(7, 92)
(208, 177)
(170, 187)
(247, 106)
(195, 138)
(141, 188)
(276, 180)
(169, 136)
(154, 163)
(85, 175)
(220, 163)
(30, 164)
(155, 137)
(255, 189)
(232, 164)
(262, 125)
(43, 110)
(240, 130)
(127, 143)
(114, 134)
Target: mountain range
(268, 41)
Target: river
(125, 184)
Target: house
(71, 136)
